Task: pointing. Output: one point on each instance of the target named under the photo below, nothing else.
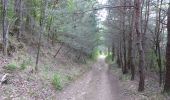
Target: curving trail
(97, 84)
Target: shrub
(11, 67)
(95, 53)
(56, 81)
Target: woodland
(85, 50)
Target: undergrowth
(95, 53)
(56, 81)
(23, 65)
(11, 67)
(124, 77)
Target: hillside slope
(22, 83)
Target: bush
(95, 53)
(11, 67)
(56, 81)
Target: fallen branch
(58, 50)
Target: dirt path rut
(97, 84)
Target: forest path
(97, 84)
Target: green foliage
(95, 53)
(56, 81)
(70, 4)
(23, 65)
(10, 11)
(11, 67)
(151, 56)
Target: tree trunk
(140, 46)
(113, 52)
(18, 15)
(5, 26)
(167, 79)
(120, 53)
(130, 63)
(118, 58)
(158, 32)
(41, 32)
(130, 51)
(125, 71)
(160, 65)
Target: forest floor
(97, 84)
(91, 81)
(130, 88)
(24, 84)
(105, 82)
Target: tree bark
(5, 26)
(130, 51)
(18, 15)
(137, 4)
(130, 62)
(125, 71)
(120, 53)
(167, 79)
(113, 52)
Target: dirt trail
(97, 84)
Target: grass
(46, 73)
(20, 64)
(23, 65)
(56, 81)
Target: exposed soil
(97, 84)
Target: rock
(5, 79)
